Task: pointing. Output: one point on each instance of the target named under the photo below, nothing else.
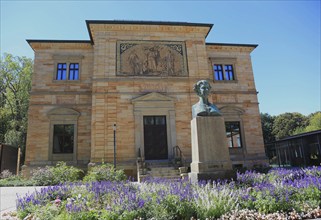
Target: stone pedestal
(210, 155)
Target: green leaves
(288, 124)
(15, 85)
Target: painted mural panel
(151, 58)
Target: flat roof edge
(57, 41)
(297, 136)
(133, 22)
(233, 45)
(147, 23)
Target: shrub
(64, 173)
(16, 181)
(5, 174)
(104, 172)
(54, 175)
(42, 176)
(8, 179)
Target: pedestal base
(211, 176)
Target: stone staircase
(159, 169)
(174, 169)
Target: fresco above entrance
(151, 58)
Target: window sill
(66, 81)
(235, 150)
(62, 153)
(225, 81)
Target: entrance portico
(154, 115)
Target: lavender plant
(284, 191)
(215, 199)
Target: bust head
(202, 88)
(204, 107)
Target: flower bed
(293, 194)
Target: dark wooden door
(155, 138)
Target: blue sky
(286, 63)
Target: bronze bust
(204, 107)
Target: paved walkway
(8, 196)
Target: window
(233, 134)
(229, 73)
(63, 139)
(226, 73)
(218, 71)
(73, 71)
(70, 73)
(61, 71)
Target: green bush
(5, 174)
(16, 181)
(54, 175)
(104, 172)
(8, 179)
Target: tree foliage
(15, 85)
(287, 123)
(267, 127)
(314, 122)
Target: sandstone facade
(118, 85)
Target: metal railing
(178, 156)
(140, 164)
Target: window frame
(238, 139)
(63, 116)
(64, 138)
(68, 60)
(223, 62)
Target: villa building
(130, 88)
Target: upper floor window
(67, 67)
(223, 72)
(73, 71)
(68, 71)
(233, 134)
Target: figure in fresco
(135, 64)
(204, 107)
(169, 63)
(153, 57)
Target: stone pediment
(231, 110)
(153, 97)
(63, 113)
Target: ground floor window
(63, 138)
(233, 134)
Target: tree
(287, 123)
(314, 122)
(15, 85)
(267, 127)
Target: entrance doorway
(155, 138)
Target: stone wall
(48, 94)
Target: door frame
(153, 104)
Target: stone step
(164, 174)
(163, 170)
